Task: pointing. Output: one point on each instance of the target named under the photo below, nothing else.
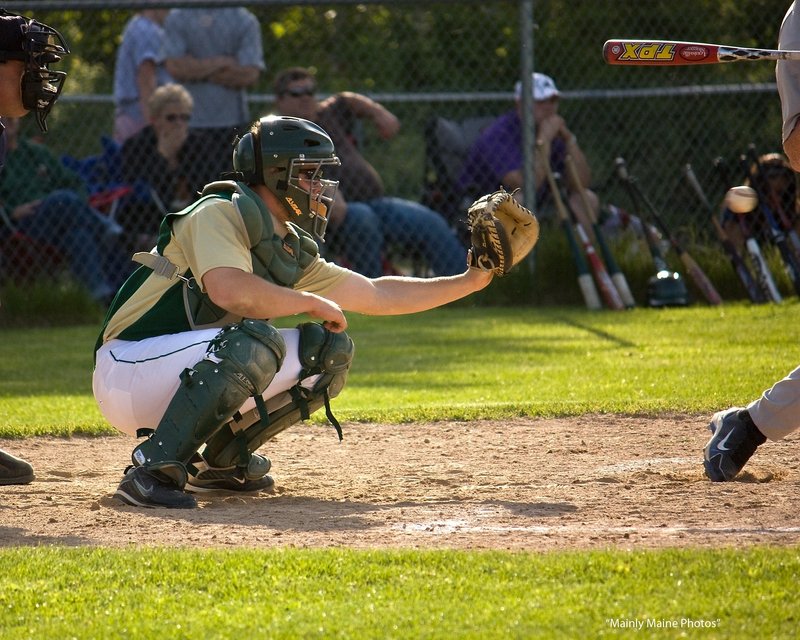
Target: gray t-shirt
(142, 40)
(205, 33)
(787, 72)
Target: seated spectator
(496, 158)
(364, 220)
(166, 158)
(139, 69)
(47, 202)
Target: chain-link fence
(444, 69)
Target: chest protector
(280, 260)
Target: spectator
(138, 71)
(45, 201)
(165, 157)
(496, 157)
(217, 55)
(364, 220)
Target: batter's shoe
(238, 479)
(735, 439)
(141, 488)
(14, 470)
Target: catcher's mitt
(502, 231)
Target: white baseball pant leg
(777, 412)
(134, 382)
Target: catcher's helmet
(288, 155)
(37, 45)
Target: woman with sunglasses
(162, 161)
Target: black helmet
(667, 289)
(279, 152)
(38, 46)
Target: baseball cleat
(14, 470)
(141, 488)
(735, 439)
(235, 478)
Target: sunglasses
(299, 93)
(174, 117)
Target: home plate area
(598, 481)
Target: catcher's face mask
(305, 187)
(41, 46)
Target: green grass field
(79, 593)
(454, 363)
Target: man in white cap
(496, 158)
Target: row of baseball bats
(770, 213)
(603, 284)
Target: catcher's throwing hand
(502, 232)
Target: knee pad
(252, 350)
(327, 353)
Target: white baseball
(741, 199)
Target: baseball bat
(585, 282)
(659, 53)
(763, 275)
(738, 264)
(697, 274)
(774, 200)
(603, 281)
(617, 277)
(776, 233)
(694, 270)
(652, 243)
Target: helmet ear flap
(247, 159)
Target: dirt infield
(595, 482)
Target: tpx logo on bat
(655, 52)
(630, 51)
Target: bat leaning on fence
(585, 282)
(776, 233)
(652, 243)
(617, 277)
(660, 53)
(767, 191)
(605, 284)
(749, 282)
(760, 267)
(694, 270)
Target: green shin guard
(237, 440)
(322, 353)
(248, 356)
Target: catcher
(187, 356)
